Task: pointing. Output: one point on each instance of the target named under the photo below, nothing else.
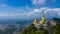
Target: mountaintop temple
(42, 23)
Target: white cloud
(46, 11)
(34, 12)
(35, 2)
(59, 13)
(19, 13)
(52, 1)
(3, 5)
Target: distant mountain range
(57, 20)
(16, 21)
(22, 21)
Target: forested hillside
(32, 30)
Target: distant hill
(57, 20)
(15, 21)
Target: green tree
(56, 29)
(32, 30)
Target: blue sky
(17, 9)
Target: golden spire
(34, 21)
(43, 18)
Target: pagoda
(40, 23)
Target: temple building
(40, 23)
